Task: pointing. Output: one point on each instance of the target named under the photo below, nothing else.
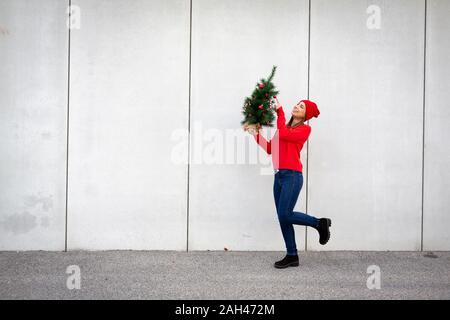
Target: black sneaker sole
(291, 264)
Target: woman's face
(299, 110)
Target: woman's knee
(284, 217)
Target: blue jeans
(286, 189)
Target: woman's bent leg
(303, 219)
(290, 189)
(300, 218)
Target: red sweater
(286, 144)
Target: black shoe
(324, 230)
(288, 261)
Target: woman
(286, 145)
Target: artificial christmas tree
(258, 109)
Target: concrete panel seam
(67, 126)
(423, 119)
(307, 142)
(189, 126)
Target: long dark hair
(289, 124)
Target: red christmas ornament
(267, 95)
(261, 85)
(261, 107)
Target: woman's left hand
(253, 131)
(278, 105)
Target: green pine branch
(259, 108)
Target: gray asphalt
(223, 275)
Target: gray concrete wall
(33, 105)
(366, 149)
(231, 203)
(436, 222)
(142, 74)
(129, 91)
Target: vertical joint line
(189, 127)
(423, 120)
(307, 143)
(67, 124)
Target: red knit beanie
(311, 109)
